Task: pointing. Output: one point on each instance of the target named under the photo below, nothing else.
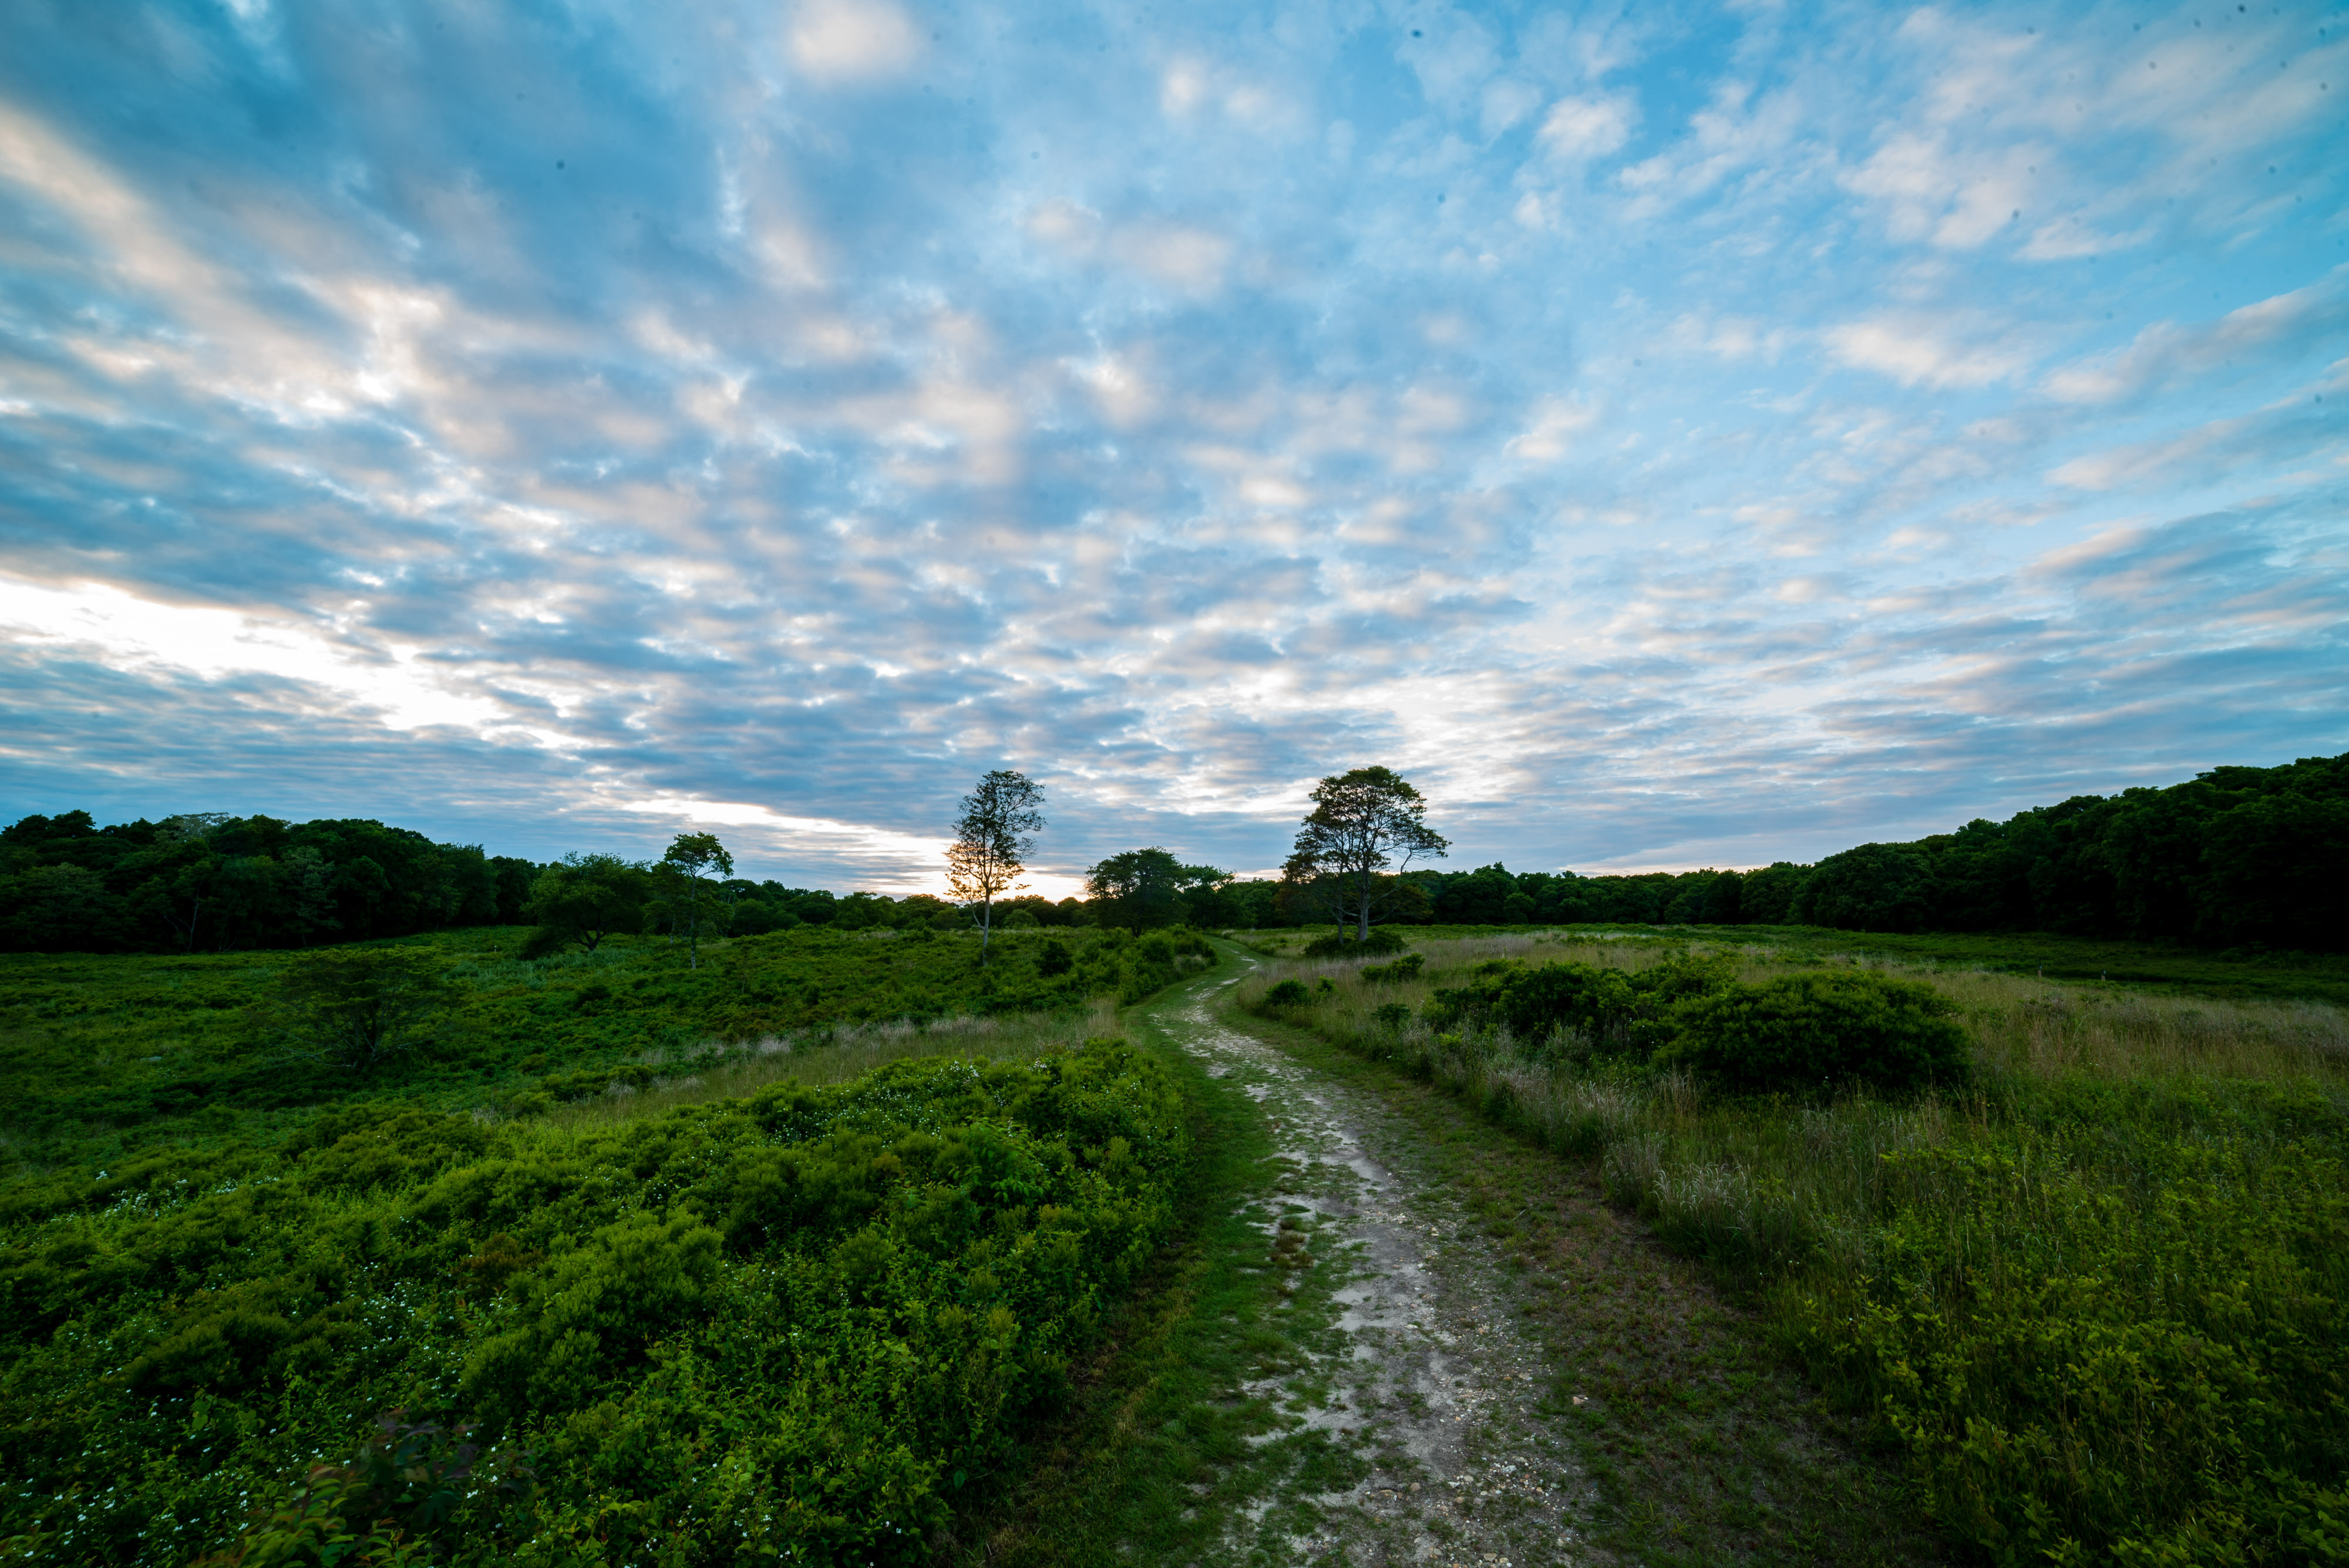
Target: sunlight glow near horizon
(1671, 435)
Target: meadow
(102, 1055)
(2238, 973)
(2094, 1290)
(767, 1260)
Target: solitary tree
(585, 899)
(1365, 828)
(688, 867)
(361, 1007)
(993, 837)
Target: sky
(1668, 434)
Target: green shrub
(791, 1324)
(1405, 967)
(1576, 1009)
(2140, 1365)
(1393, 1014)
(1822, 1032)
(1287, 993)
(1342, 943)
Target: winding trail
(1416, 1367)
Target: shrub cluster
(1803, 1032)
(1821, 1032)
(1576, 1009)
(1344, 943)
(785, 1328)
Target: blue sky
(1669, 435)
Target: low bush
(781, 1328)
(1577, 1008)
(1821, 1033)
(1343, 943)
(1287, 993)
(1404, 967)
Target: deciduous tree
(1146, 887)
(360, 1008)
(689, 867)
(585, 899)
(993, 837)
(1366, 827)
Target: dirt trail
(1419, 1368)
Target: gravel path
(1417, 1368)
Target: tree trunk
(986, 924)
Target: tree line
(2237, 856)
(210, 882)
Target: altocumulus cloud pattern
(1669, 434)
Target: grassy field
(2098, 1295)
(2196, 971)
(766, 1261)
(101, 1056)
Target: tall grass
(833, 1056)
(2098, 1295)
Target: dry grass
(831, 1057)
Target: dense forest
(2253, 858)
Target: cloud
(853, 41)
(570, 428)
(1581, 130)
(1956, 200)
(1916, 351)
(2168, 353)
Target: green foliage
(1143, 889)
(1404, 967)
(212, 882)
(2234, 856)
(360, 1008)
(1287, 993)
(104, 1059)
(583, 899)
(1822, 1033)
(1343, 943)
(2248, 859)
(688, 897)
(393, 1503)
(1579, 1009)
(791, 1325)
(2098, 1356)
(2104, 1315)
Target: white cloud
(1919, 351)
(1550, 434)
(1956, 199)
(128, 633)
(1177, 255)
(1581, 130)
(853, 41)
(2165, 353)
